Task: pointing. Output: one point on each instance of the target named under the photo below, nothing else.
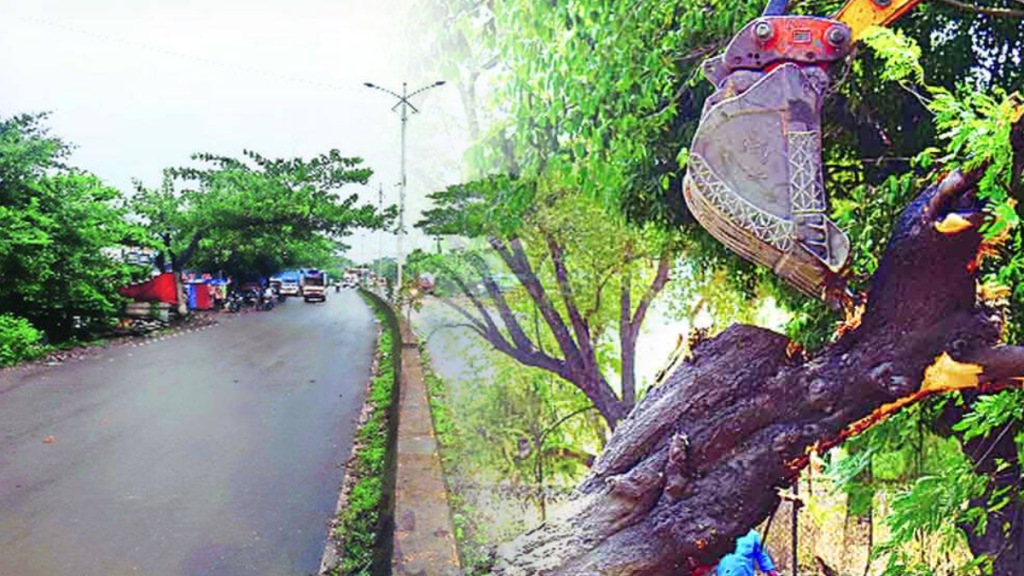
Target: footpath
(424, 538)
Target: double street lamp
(405, 106)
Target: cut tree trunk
(701, 459)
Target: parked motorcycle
(251, 298)
(234, 302)
(266, 304)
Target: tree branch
(190, 250)
(476, 324)
(581, 370)
(515, 258)
(630, 322)
(999, 364)
(529, 357)
(521, 349)
(466, 325)
(515, 329)
(736, 421)
(598, 294)
(657, 285)
(461, 283)
(579, 325)
(627, 339)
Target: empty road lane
(213, 452)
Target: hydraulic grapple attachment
(754, 177)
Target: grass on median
(358, 522)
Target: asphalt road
(212, 452)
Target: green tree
(577, 124)
(978, 488)
(59, 227)
(255, 215)
(597, 98)
(586, 280)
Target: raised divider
(424, 536)
(416, 520)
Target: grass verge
(358, 522)
(475, 552)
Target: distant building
(132, 254)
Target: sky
(140, 85)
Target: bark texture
(701, 458)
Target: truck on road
(313, 285)
(289, 283)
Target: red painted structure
(160, 289)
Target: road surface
(214, 452)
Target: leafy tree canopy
(256, 214)
(601, 99)
(57, 227)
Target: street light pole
(380, 237)
(405, 105)
(401, 190)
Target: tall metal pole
(380, 236)
(401, 193)
(405, 105)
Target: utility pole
(380, 235)
(406, 106)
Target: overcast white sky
(139, 85)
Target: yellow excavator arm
(860, 15)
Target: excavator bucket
(755, 177)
